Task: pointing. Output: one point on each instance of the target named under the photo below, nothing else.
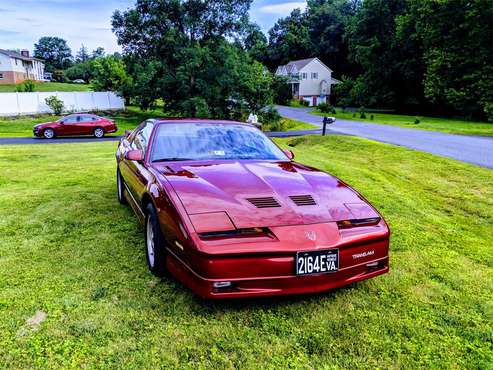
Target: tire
(120, 188)
(49, 133)
(154, 242)
(98, 132)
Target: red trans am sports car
(229, 214)
(74, 125)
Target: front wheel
(49, 133)
(155, 250)
(120, 188)
(98, 132)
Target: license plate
(317, 262)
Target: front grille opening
(266, 202)
(303, 200)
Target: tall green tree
(82, 55)
(98, 52)
(456, 38)
(289, 39)
(255, 42)
(372, 45)
(110, 74)
(182, 52)
(54, 51)
(328, 22)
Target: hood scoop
(265, 202)
(303, 200)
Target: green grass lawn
(50, 86)
(70, 251)
(451, 126)
(126, 120)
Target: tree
(54, 51)
(456, 38)
(328, 22)
(98, 52)
(81, 70)
(290, 39)
(110, 75)
(256, 86)
(181, 52)
(281, 90)
(372, 45)
(255, 42)
(82, 55)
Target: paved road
(473, 149)
(33, 140)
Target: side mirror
(289, 154)
(127, 133)
(134, 155)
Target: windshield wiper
(172, 159)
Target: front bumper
(269, 275)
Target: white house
(15, 67)
(310, 80)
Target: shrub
(362, 113)
(29, 86)
(326, 108)
(59, 76)
(488, 109)
(354, 115)
(270, 117)
(26, 86)
(416, 121)
(55, 104)
(371, 117)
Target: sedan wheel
(49, 133)
(120, 188)
(99, 132)
(155, 244)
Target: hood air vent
(267, 202)
(303, 200)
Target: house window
(1, 76)
(314, 76)
(304, 75)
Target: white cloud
(282, 9)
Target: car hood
(244, 190)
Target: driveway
(472, 149)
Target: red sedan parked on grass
(76, 125)
(230, 214)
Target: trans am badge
(311, 235)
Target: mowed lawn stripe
(68, 249)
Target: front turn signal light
(348, 224)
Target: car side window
(71, 120)
(142, 137)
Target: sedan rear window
(209, 141)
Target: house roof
(301, 63)
(14, 54)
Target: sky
(23, 22)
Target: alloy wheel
(150, 242)
(99, 132)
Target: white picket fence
(12, 104)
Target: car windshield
(205, 141)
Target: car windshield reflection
(208, 141)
